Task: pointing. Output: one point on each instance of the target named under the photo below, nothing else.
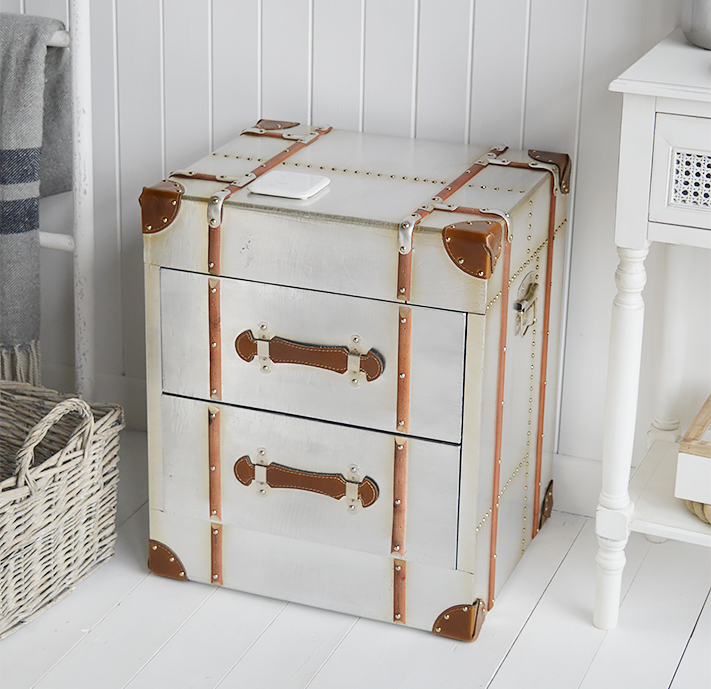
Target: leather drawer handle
(333, 485)
(285, 352)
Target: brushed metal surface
(433, 480)
(315, 318)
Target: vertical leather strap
(404, 270)
(216, 552)
(403, 369)
(404, 275)
(499, 416)
(399, 496)
(214, 456)
(215, 331)
(544, 362)
(399, 591)
(214, 249)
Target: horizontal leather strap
(285, 352)
(332, 485)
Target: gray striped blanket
(35, 144)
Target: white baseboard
(130, 393)
(577, 484)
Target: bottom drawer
(308, 462)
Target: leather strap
(399, 591)
(283, 351)
(332, 485)
(214, 462)
(404, 279)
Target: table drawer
(681, 171)
(312, 456)
(310, 334)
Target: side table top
(672, 69)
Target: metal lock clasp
(355, 376)
(352, 484)
(525, 304)
(260, 472)
(265, 363)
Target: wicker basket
(58, 490)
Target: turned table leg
(615, 510)
(665, 425)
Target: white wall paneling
(174, 78)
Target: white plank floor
(124, 627)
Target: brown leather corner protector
(160, 205)
(560, 160)
(474, 246)
(271, 125)
(164, 562)
(547, 508)
(461, 622)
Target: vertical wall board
(235, 67)
(499, 71)
(337, 78)
(10, 6)
(613, 43)
(555, 58)
(140, 62)
(188, 124)
(109, 350)
(57, 9)
(444, 66)
(389, 48)
(660, 17)
(286, 60)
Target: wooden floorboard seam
(168, 638)
(330, 655)
(91, 629)
(686, 646)
(249, 648)
(533, 609)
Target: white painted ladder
(81, 241)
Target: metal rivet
(262, 491)
(182, 574)
(402, 290)
(265, 368)
(448, 239)
(403, 320)
(397, 502)
(396, 548)
(149, 227)
(354, 381)
(213, 344)
(213, 391)
(165, 219)
(213, 290)
(400, 423)
(397, 616)
(402, 375)
(400, 447)
(212, 468)
(155, 547)
(214, 512)
(438, 630)
(351, 507)
(446, 617)
(460, 261)
(210, 265)
(398, 568)
(215, 576)
(466, 609)
(173, 203)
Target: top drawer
(310, 335)
(681, 171)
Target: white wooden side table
(663, 195)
